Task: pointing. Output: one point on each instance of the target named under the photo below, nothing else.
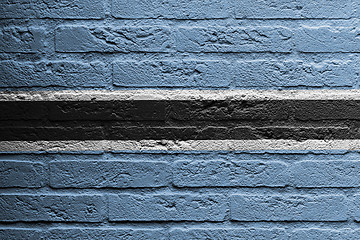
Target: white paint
(152, 94)
(155, 94)
(191, 145)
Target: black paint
(180, 120)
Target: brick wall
(180, 44)
(207, 195)
(186, 44)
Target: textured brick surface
(328, 39)
(222, 173)
(18, 233)
(288, 208)
(357, 207)
(173, 9)
(260, 73)
(107, 39)
(167, 207)
(287, 9)
(56, 208)
(228, 233)
(233, 39)
(21, 39)
(318, 234)
(326, 174)
(103, 233)
(78, 9)
(117, 174)
(179, 44)
(190, 119)
(22, 174)
(172, 73)
(48, 74)
(137, 196)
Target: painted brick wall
(203, 195)
(180, 44)
(116, 44)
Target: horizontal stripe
(171, 133)
(188, 94)
(202, 145)
(180, 120)
(180, 115)
(189, 111)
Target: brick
(208, 110)
(22, 174)
(172, 9)
(51, 133)
(50, 74)
(326, 174)
(228, 234)
(186, 73)
(288, 208)
(106, 39)
(101, 110)
(357, 207)
(107, 233)
(289, 9)
(328, 39)
(117, 174)
(20, 233)
(320, 234)
(21, 110)
(64, 9)
(234, 39)
(261, 73)
(167, 207)
(54, 208)
(225, 173)
(22, 40)
(326, 110)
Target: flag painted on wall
(198, 116)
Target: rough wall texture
(179, 44)
(114, 44)
(183, 195)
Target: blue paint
(209, 44)
(187, 73)
(44, 74)
(179, 195)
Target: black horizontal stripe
(174, 133)
(180, 120)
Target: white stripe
(154, 94)
(191, 145)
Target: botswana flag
(180, 120)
